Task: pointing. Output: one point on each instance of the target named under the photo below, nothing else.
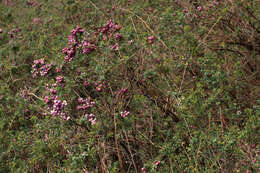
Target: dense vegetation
(129, 86)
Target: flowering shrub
(124, 86)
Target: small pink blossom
(91, 118)
(40, 67)
(85, 103)
(215, 2)
(185, 10)
(124, 113)
(151, 39)
(58, 70)
(114, 47)
(46, 99)
(46, 137)
(131, 42)
(199, 8)
(122, 91)
(85, 83)
(60, 80)
(118, 36)
(6, 2)
(157, 163)
(36, 21)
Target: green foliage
(178, 84)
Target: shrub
(129, 86)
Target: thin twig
(147, 26)
(132, 157)
(117, 148)
(209, 31)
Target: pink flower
(46, 99)
(91, 118)
(143, 170)
(65, 117)
(1, 31)
(157, 163)
(215, 2)
(58, 70)
(85, 103)
(122, 91)
(124, 113)
(185, 10)
(118, 36)
(114, 47)
(131, 42)
(39, 66)
(98, 89)
(199, 8)
(60, 80)
(6, 2)
(151, 39)
(87, 47)
(36, 21)
(85, 83)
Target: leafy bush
(129, 86)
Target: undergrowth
(129, 86)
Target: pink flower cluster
(41, 67)
(151, 39)
(70, 51)
(59, 81)
(86, 83)
(87, 47)
(85, 103)
(74, 43)
(124, 113)
(100, 85)
(91, 118)
(122, 91)
(55, 105)
(157, 163)
(111, 30)
(36, 21)
(114, 47)
(13, 33)
(77, 30)
(118, 36)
